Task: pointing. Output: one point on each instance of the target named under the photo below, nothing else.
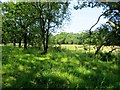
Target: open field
(57, 69)
(77, 47)
(92, 47)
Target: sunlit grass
(92, 47)
(65, 69)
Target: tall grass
(59, 68)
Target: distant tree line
(102, 35)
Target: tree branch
(98, 20)
(91, 32)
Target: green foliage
(70, 38)
(57, 69)
(102, 35)
(32, 22)
(108, 33)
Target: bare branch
(98, 20)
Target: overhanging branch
(91, 32)
(98, 20)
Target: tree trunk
(43, 41)
(14, 42)
(25, 40)
(46, 44)
(47, 37)
(20, 42)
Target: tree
(35, 23)
(17, 22)
(111, 11)
(51, 15)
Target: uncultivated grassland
(92, 47)
(59, 68)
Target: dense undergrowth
(58, 69)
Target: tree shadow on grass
(37, 78)
(31, 71)
(104, 74)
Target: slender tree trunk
(25, 40)
(47, 37)
(20, 42)
(46, 44)
(14, 42)
(43, 41)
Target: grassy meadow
(65, 67)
